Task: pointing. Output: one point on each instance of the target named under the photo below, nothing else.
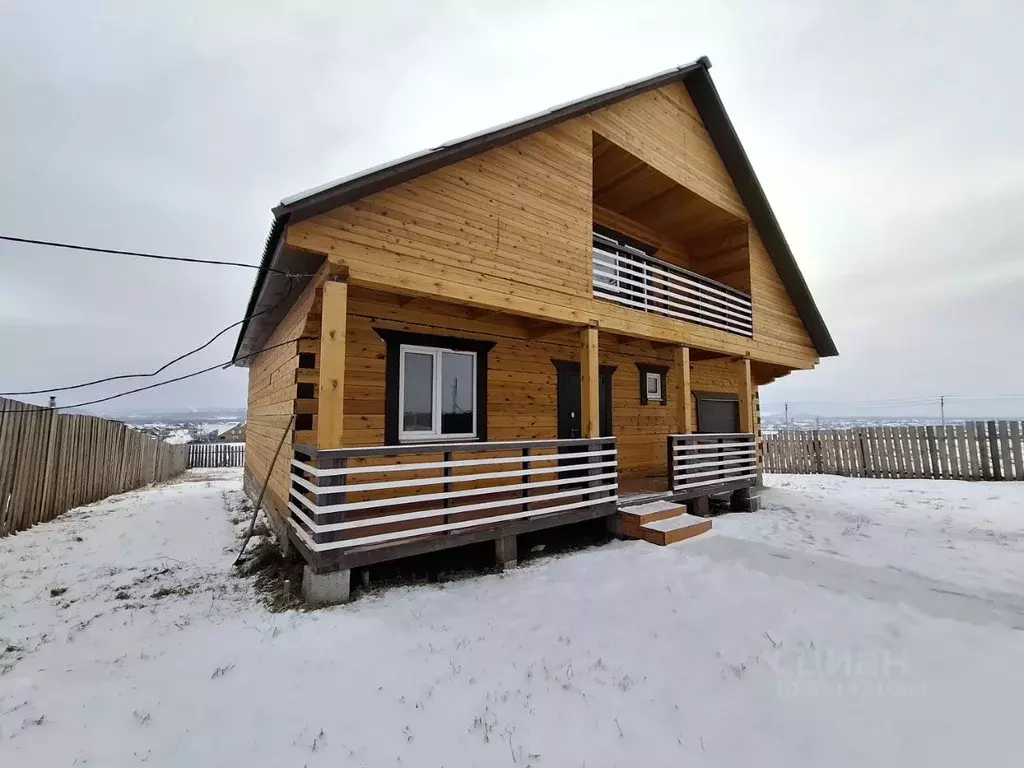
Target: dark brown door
(717, 412)
(569, 411)
(570, 404)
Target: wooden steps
(661, 523)
(634, 517)
(674, 529)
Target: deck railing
(630, 277)
(698, 462)
(355, 497)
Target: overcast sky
(889, 138)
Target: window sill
(439, 439)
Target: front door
(570, 421)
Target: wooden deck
(357, 506)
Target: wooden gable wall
(511, 229)
(508, 227)
(674, 141)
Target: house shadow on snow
(473, 560)
(278, 580)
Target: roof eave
(273, 244)
(712, 111)
(727, 142)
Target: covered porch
(432, 424)
(699, 466)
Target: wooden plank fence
(216, 455)
(51, 462)
(976, 450)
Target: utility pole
(787, 415)
(942, 409)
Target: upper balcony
(626, 275)
(659, 247)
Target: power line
(922, 400)
(169, 381)
(989, 397)
(162, 368)
(890, 400)
(143, 255)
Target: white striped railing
(699, 462)
(355, 497)
(630, 277)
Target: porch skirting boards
(357, 557)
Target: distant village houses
(232, 433)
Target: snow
(675, 523)
(970, 534)
(835, 627)
(178, 436)
(186, 432)
(650, 507)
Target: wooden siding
(273, 391)
(511, 229)
(668, 250)
(522, 397)
(664, 130)
(723, 254)
(774, 313)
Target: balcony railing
(355, 497)
(699, 462)
(630, 277)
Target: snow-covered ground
(850, 622)
(185, 432)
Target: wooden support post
(670, 461)
(700, 506)
(743, 500)
(447, 472)
(505, 552)
(684, 397)
(331, 406)
(746, 397)
(525, 480)
(590, 421)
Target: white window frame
(434, 434)
(655, 377)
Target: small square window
(653, 383)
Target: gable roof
(697, 79)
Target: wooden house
(527, 327)
(231, 433)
